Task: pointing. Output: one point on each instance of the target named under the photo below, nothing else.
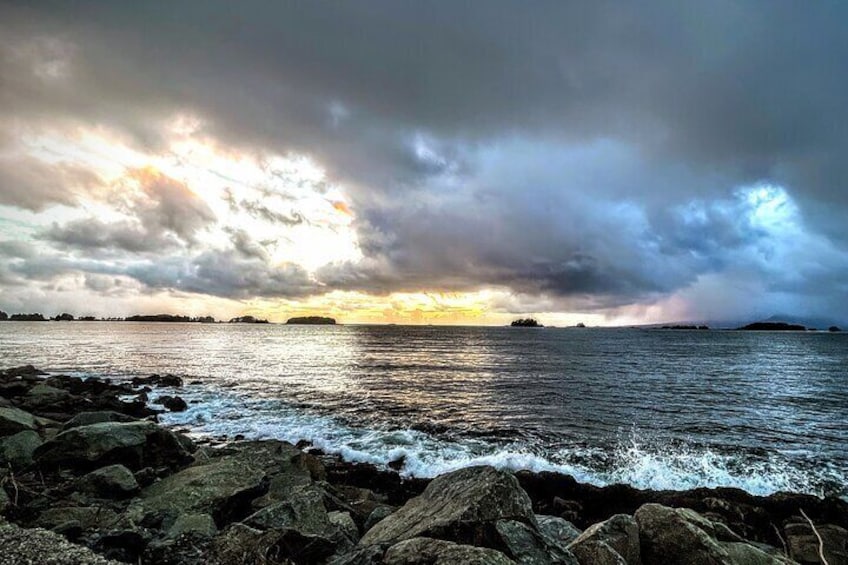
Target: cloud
(33, 184)
(595, 155)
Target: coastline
(100, 471)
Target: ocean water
(655, 409)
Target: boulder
(463, 506)
(14, 420)
(172, 403)
(376, 516)
(344, 523)
(682, 536)
(222, 487)
(803, 545)
(360, 502)
(88, 517)
(17, 450)
(133, 444)
(304, 525)
(242, 544)
(526, 545)
(427, 551)
(195, 524)
(620, 534)
(303, 511)
(558, 529)
(19, 545)
(88, 418)
(113, 481)
(158, 380)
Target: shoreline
(71, 435)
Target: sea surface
(655, 409)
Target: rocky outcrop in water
(107, 484)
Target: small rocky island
(88, 476)
(774, 327)
(526, 323)
(312, 321)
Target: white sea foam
(634, 461)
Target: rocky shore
(88, 476)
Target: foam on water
(636, 460)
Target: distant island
(66, 317)
(169, 318)
(774, 327)
(248, 320)
(526, 323)
(312, 320)
(685, 327)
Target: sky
(461, 162)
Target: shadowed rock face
(421, 551)
(133, 444)
(462, 506)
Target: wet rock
(20, 546)
(14, 420)
(304, 511)
(670, 535)
(682, 536)
(558, 529)
(133, 444)
(427, 551)
(222, 487)
(113, 481)
(526, 545)
(803, 544)
(620, 533)
(360, 502)
(158, 381)
(376, 516)
(462, 506)
(343, 522)
(17, 450)
(23, 371)
(173, 403)
(88, 418)
(195, 524)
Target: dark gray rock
(558, 529)
(462, 506)
(618, 534)
(526, 545)
(803, 544)
(195, 524)
(427, 551)
(87, 418)
(14, 420)
(682, 536)
(17, 450)
(376, 516)
(113, 481)
(133, 444)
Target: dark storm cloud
(558, 149)
(91, 234)
(226, 274)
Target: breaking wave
(634, 459)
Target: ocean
(657, 409)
